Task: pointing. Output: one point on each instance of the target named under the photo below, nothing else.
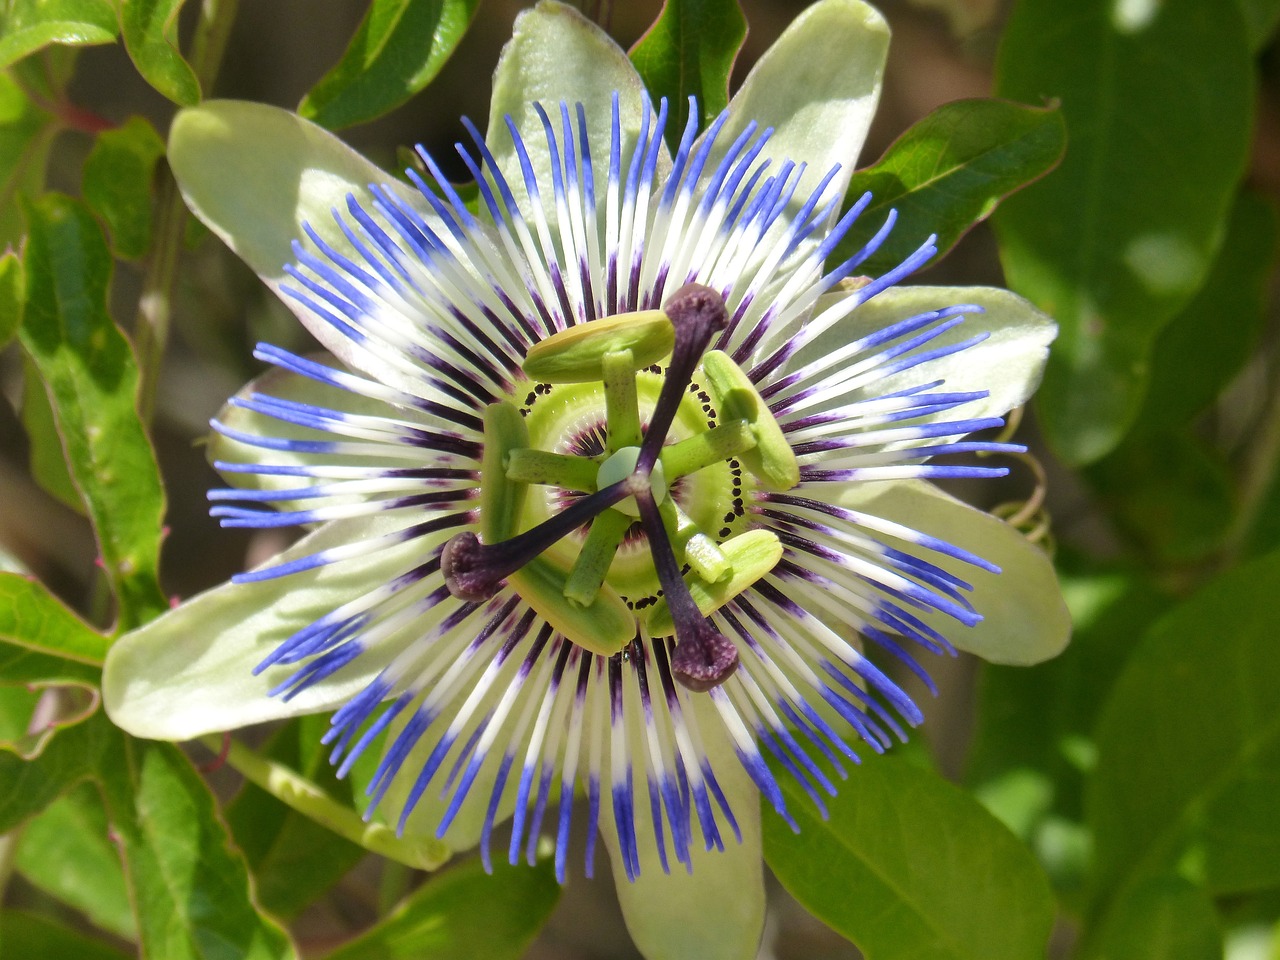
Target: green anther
(604, 626)
(501, 500)
(593, 561)
(753, 554)
(771, 461)
(725, 440)
(556, 469)
(622, 407)
(704, 556)
(576, 355)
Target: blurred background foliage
(1136, 776)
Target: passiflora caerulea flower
(610, 476)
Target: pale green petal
(717, 912)
(189, 672)
(1025, 619)
(1008, 364)
(817, 86)
(255, 173)
(555, 54)
(287, 385)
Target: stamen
(528, 465)
(697, 313)
(622, 407)
(721, 442)
(576, 354)
(703, 657)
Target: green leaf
(909, 866)
(118, 176)
(1207, 343)
(1121, 235)
(18, 665)
(26, 133)
(1189, 745)
(689, 50)
(1168, 492)
(11, 295)
(30, 935)
(949, 172)
(188, 883)
(66, 851)
(1033, 746)
(89, 372)
(47, 462)
(29, 721)
(150, 29)
(31, 617)
(28, 25)
(28, 786)
(463, 914)
(1261, 18)
(397, 50)
(1163, 918)
(293, 859)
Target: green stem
(527, 465)
(592, 564)
(423, 852)
(721, 442)
(155, 306)
(622, 406)
(1258, 477)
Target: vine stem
(155, 305)
(1257, 478)
(422, 851)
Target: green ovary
(558, 453)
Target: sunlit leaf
(949, 172)
(28, 25)
(150, 29)
(88, 370)
(689, 50)
(18, 665)
(45, 457)
(66, 851)
(189, 885)
(908, 866)
(397, 50)
(26, 133)
(32, 935)
(28, 786)
(292, 858)
(32, 617)
(11, 295)
(463, 914)
(117, 183)
(1121, 235)
(1189, 745)
(32, 715)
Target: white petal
(255, 174)
(189, 672)
(1008, 364)
(1025, 619)
(817, 86)
(555, 54)
(717, 913)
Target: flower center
(609, 439)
